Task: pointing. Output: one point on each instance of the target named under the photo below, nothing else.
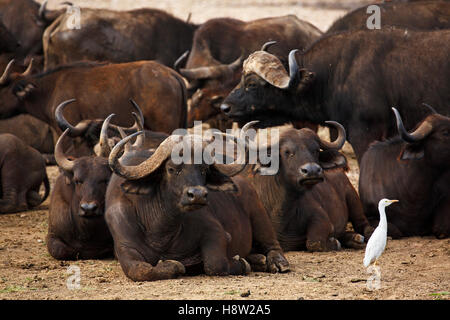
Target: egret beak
(392, 201)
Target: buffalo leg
(356, 214)
(441, 221)
(319, 232)
(215, 259)
(352, 240)
(59, 250)
(8, 203)
(134, 256)
(263, 233)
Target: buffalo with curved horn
(413, 168)
(219, 213)
(76, 227)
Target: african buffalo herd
(116, 102)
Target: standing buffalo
(415, 169)
(167, 219)
(22, 173)
(421, 15)
(214, 65)
(100, 89)
(117, 36)
(76, 226)
(310, 199)
(353, 78)
(27, 20)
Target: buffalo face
(266, 91)
(90, 177)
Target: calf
(310, 199)
(413, 168)
(22, 171)
(168, 219)
(76, 226)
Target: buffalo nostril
(190, 194)
(88, 207)
(225, 108)
(303, 170)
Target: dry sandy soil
(411, 268)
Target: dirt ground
(411, 268)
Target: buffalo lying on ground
(169, 219)
(353, 78)
(22, 173)
(33, 132)
(76, 225)
(100, 89)
(415, 169)
(214, 64)
(117, 36)
(421, 15)
(310, 198)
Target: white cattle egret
(377, 241)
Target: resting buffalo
(415, 169)
(310, 198)
(214, 64)
(117, 36)
(8, 43)
(33, 132)
(100, 89)
(22, 173)
(420, 15)
(169, 219)
(27, 20)
(76, 225)
(353, 78)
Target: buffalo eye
(78, 182)
(446, 133)
(251, 86)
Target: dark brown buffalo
(22, 171)
(310, 198)
(27, 20)
(353, 78)
(8, 43)
(415, 169)
(117, 36)
(215, 62)
(76, 224)
(420, 15)
(100, 89)
(33, 132)
(168, 219)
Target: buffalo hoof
(246, 268)
(276, 262)
(257, 261)
(313, 246)
(368, 232)
(172, 267)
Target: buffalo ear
(306, 79)
(412, 152)
(331, 159)
(139, 187)
(23, 89)
(217, 181)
